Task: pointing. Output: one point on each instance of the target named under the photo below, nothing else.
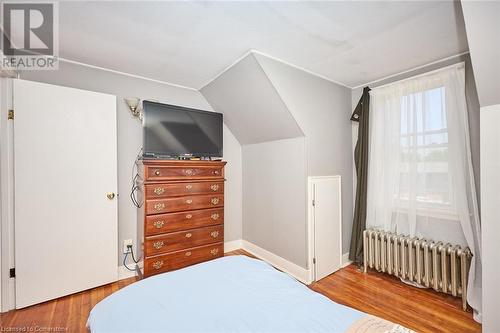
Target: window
(420, 180)
(424, 150)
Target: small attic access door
(325, 226)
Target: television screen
(173, 131)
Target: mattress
(229, 294)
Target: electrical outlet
(126, 243)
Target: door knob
(110, 195)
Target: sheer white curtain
(420, 177)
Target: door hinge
(10, 115)
(314, 260)
(314, 202)
(12, 272)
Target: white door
(327, 221)
(65, 163)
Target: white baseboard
(302, 274)
(124, 273)
(232, 245)
(345, 260)
(280, 263)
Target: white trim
(457, 65)
(410, 70)
(124, 273)
(310, 229)
(275, 59)
(262, 54)
(345, 260)
(226, 69)
(7, 197)
(301, 68)
(325, 177)
(232, 245)
(300, 273)
(278, 262)
(125, 74)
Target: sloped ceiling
(482, 20)
(190, 42)
(253, 110)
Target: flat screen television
(171, 131)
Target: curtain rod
(458, 64)
(412, 69)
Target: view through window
(424, 150)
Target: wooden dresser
(181, 222)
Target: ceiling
(189, 43)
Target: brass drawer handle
(214, 187)
(189, 216)
(159, 206)
(214, 201)
(158, 244)
(158, 224)
(216, 172)
(214, 251)
(159, 190)
(157, 172)
(189, 201)
(214, 234)
(189, 186)
(188, 235)
(158, 264)
(188, 253)
(214, 216)
(189, 172)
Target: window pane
(424, 174)
(435, 109)
(436, 138)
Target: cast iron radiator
(443, 267)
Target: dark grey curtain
(361, 114)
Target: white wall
(273, 163)
(273, 107)
(233, 191)
(322, 109)
(482, 24)
(274, 196)
(130, 136)
(253, 109)
(490, 218)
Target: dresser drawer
(154, 191)
(183, 240)
(155, 173)
(175, 260)
(186, 203)
(162, 223)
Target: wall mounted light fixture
(133, 105)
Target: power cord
(131, 251)
(135, 186)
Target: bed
(229, 294)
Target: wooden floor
(422, 310)
(374, 293)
